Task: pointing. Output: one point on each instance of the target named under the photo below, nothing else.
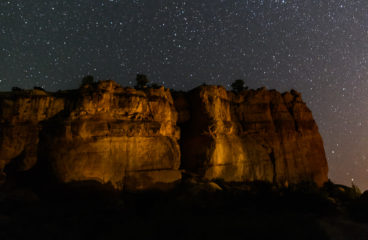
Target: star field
(319, 48)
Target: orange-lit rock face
(116, 135)
(256, 135)
(130, 138)
(20, 114)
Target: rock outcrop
(106, 133)
(255, 135)
(115, 135)
(20, 115)
(137, 139)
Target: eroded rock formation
(115, 135)
(20, 115)
(106, 133)
(254, 135)
(131, 138)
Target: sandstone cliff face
(106, 133)
(20, 115)
(115, 135)
(255, 135)
(131, 138)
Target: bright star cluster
(319, 48)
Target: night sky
(319, 48)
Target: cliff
(105, 133)
(255, 135)
(139, 139)
(20, 116)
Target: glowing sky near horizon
(318, 47)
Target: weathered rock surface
(131, 138)
(20, 115)
(106, 133)
(255, 135)
(115, 135)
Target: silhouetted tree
(155, 86)
(16, 89)
(141, 81)
(238, 85)
(88, 80)
(38, 88)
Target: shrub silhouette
(155, 86)
(341, 192)
(238, 86)
(16, 89)
(38, 88)
(141, 81)
(88, 80)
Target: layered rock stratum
(138, 139)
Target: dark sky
(319, 48)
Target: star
(319, 48)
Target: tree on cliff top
(141, 81)
(88, 80)
(238, 86)
(155, 86)
(39, 88)
(16, 89)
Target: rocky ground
(191, 210)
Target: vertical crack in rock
(273, 160)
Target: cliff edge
(137, 139)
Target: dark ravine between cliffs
(139, 139)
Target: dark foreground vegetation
(193, 209)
